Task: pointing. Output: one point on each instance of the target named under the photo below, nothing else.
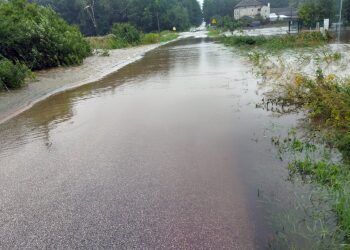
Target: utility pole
(158, 22)
(340, 19)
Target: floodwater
(168, 152)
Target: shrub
(38, 37)
(126, 33)
(12, 75)
(326, 99)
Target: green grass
(110, 42)
(106, 42)
(326, 102)
(275, 43)
(213, 32)
(167, 36)
(313, 162)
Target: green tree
(346, 11)
(313, 11)
(146, 15)
(34, 37)
(221, 8)
(306, 14)
(229, 23)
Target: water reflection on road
(169, 152)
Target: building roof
(248, 3)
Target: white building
(251, 8)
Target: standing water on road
(168, 152)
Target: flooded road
(168, 152)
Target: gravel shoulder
(53, 81)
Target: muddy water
(169, 152)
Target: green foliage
(326, 99)
(228, 23)
(218, 8)
(110, 42)
(307, 15)
(214, 32)
(126, 33)
(150, 38)
(313, 166)
(321, 171)
(177, 17)
(37, 37)
(304, 39)
(146, 15)
(312, 11)
(167, 36)
(346, 11)
(32, 38)
(162, 37)
(101, 42)
(12, 75)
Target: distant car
(255, 24)
(273, 17)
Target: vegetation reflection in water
(60, 108)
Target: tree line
(309, 11)
(96, 17)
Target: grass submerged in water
(325, 100)
(278, 42)
(324, 157)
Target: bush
(126, 33)
(12, 75)
(326, 98)
(38, 37)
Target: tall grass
(104, 42)
(111, 42)
(322, 158)
(271, 43)
(326, 102)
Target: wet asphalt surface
(150, 157)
